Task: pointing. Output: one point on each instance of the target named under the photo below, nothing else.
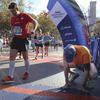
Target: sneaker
(35, 58)
(88, 86)
(25, 76)
(42, 57)
(98, 76)
(8, 79)
(45, 53)
(74, 77)
(19, 57)
(64, 88)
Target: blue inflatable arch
(70, 21)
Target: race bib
(17, 30)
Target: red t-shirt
(19, 24)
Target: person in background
(39, 44)
(1, 45)
(47, 40)
(19, 41)
(33, 42)
(19, 56)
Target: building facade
(92, 13)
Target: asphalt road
(44, 82)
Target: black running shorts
(19, 44)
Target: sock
(27, 65)
(11, 68)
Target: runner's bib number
(17, 30)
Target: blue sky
(37, 6)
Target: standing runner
(47, 40)
(19, 22)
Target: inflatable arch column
(69, 20)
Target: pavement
(45, 81)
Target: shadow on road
(37, 72)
